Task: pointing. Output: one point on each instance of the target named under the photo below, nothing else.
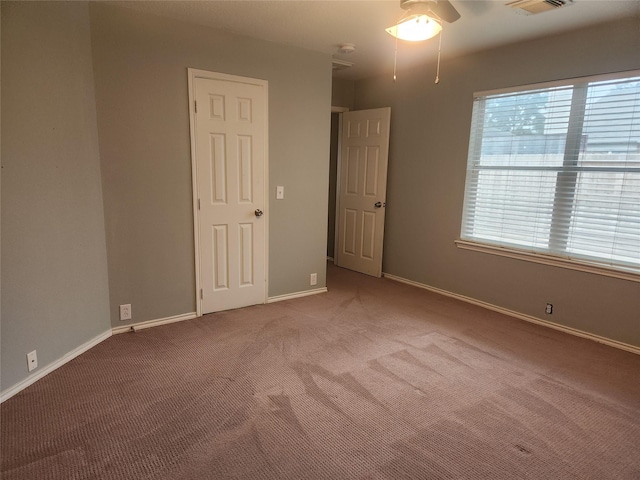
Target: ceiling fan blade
(441, 8)
(444, 10)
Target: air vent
(532, 7)
(340, 64)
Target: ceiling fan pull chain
(395, 62)
(439, 48)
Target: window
(554, 170)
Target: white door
(362, 189)
(229, 139)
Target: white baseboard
(520, 316)
(18, 387)
(153, 323)
(289, 296)
(330, 259)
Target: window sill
(581, 266)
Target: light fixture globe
(416, 27)
(423, 20)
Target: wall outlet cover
(125, 312)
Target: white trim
(339, 109)
(521, 316)
(572, 264)
(67, 357)
(266, 196)
(330, 259)
(154, 323)
(192, 74)
(290, 296)
(336, 231)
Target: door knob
(380, 204)
(259, 212)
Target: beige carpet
(374, 380)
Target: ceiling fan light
(415, 28)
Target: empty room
(320, 239)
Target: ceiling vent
(340, 64)
(532, 7)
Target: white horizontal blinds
(606, 214)
(557, 170)
(514, 158)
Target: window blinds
(556, 170)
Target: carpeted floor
(374, 380)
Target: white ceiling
(321, 25)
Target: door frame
(192, 74)
(339, 111)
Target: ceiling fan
(423, 19)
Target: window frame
(579, 85)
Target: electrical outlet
(313, 279)
(548, 309)
(125, 312)
(32, 360)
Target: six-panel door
(230, 157)
(362, 190)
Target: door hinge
(201, 294)
(195, 105)
(198, 204)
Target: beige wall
(140, 64)
(54, 267)
(428, 155)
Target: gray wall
(427, 163)
(54, 267)
(343, 93)
(140, 65)
(67, 262)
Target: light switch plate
(279, 192)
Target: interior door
(362, 189)
(230, 125)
